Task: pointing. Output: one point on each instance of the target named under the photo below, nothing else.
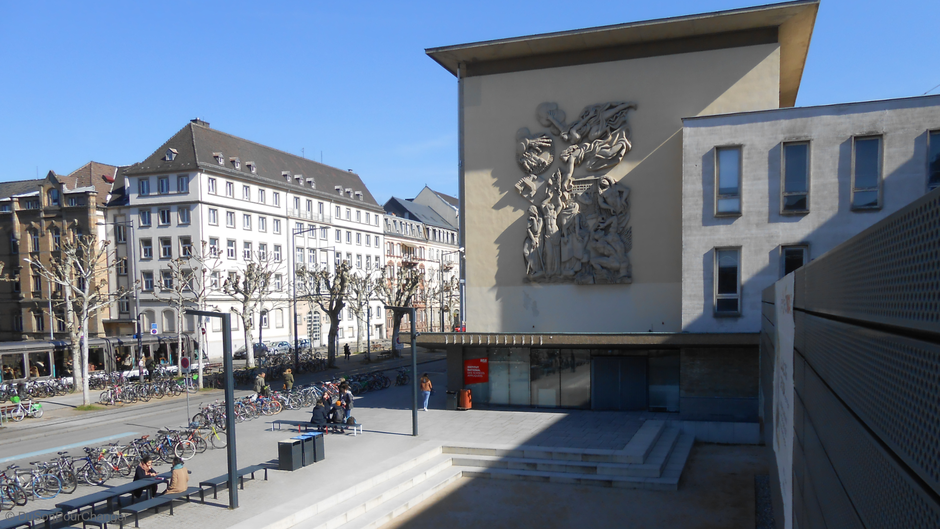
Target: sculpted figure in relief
(577, 227)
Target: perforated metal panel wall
(888, 274)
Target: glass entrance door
(509, 376)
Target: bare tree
(249, 287)
(328, 291)
(362, 287)
(190, 286)
(440, 294)
(399, 291)
(81, 271)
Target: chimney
(198, 121)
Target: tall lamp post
(440, 259)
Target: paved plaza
(386, 443)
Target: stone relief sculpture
(577, 230)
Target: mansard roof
(409, 210)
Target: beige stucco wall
(665, 89)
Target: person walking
(288, 379)
(346, 352)
(426, 387)
(179, 479)
(260, 385)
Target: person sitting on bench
(320, 416)
(145, 470)
(179, 480)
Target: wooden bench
(29, 519)
(222, 481)
(156, 503)
(5, 412)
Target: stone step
(409, 499)
(653, 467)
(669, 480)
(404, 489)
(642, 443)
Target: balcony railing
(309, 215)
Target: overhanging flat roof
(790, 24)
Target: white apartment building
(418, 236)
(241, 201)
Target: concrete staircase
(654, 459)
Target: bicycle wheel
(46, 486)
(96, 473)
(18, 413)
(200, 443)
(143, 393)
(36, 411)
(105, 397)
(185, 450)
(15, 493)
(69, 481)
(219, 439)
(177, 389)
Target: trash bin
(289, 454)
(318, 453)
(464, 402)
(306, 448)
(451, 403)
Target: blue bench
(156, 503)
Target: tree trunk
(331, 337)
(249, 347)
(86, 393)
(358, 333)
(396, 330)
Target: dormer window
(312, 183)
(170, 155)
(219, 159)
(251, 167)
(286, 175)
(359, 195)
(300, 179)
(339, 189)
(236, 163)
(349, 192)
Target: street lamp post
(440, 259)
(414, 365)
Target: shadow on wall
(826, 236)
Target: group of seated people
(179, 479)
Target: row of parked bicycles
(128, 392)
(38, 389)
(64, 473)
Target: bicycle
(22, 411)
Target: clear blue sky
(111, 81)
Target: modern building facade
(600, 267)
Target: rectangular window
(358, 239)
(311, 256)
(348, 237)
(144, 217)
(264, 319)
(124, 306)
(182, 183)
(368, 262)
(261, 197)
(230, 249)
(229, 189)
(213, 247)
(166, 248)
(166, 279)
(339, 235)
(368, 220)
(147, 281)
(143, 187)
(39, 321)
(262, 224)
(277, 253)
(214, 282)
(368, 240)
(122, 266)
(163, 185)
(164, 216)
(278, 318)
(186, 247)
(311, 230)
(727, 281)
(358, 260)
(211, 186)
(324, 233)
(246, 251)
(246, 192)
(310, 206)
(792, 257)
(276, 198)
(146, 249)
(213, 217)
(348, 214)
(37, 285)
(229, 219)
(320, 209)
(120, 234)
(933, 160)
(728, 180)
(299, 258)
(297, 204)
(796, 164)
(866, 173)
(338, 213)
(276, 225)
(183, 213)
(246, 222)
(262, 251)
(359, 216)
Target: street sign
(153, 328)
(184, 362)
(203, 330)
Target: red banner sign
(476, 371)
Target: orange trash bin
(464, 400)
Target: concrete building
(245, 202)
(417, 236)
(591, 250)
